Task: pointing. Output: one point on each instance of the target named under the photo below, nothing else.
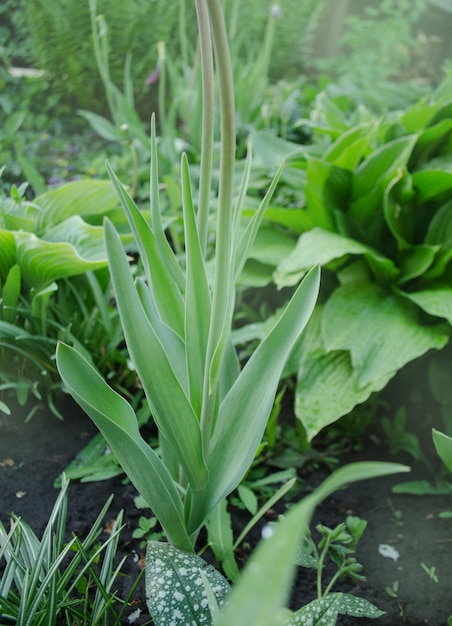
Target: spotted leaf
(324, 612)
(175, 589)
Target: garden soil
(33, 454)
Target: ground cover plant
(54, 284)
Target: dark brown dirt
(32, 455)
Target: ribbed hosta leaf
(42, 262)
(381, 331)
(81, 197)
(175, 590)
(7, 252)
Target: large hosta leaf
(82, 197)
(436, 300)
(42, 262)
(7, 252)
(327, 389)
(175, 590)
(381, 331)
(319, 246)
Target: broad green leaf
(328, 189)
(166, 396)
(276, 554)
(43, 262)
(435, 300)
(434, 182)
(443, 445)
(350, 147)
(103, 127)
(86, 198)
(374, 174)
(327, 389)
(244, 412)
(86, 239)
(319, 246)
(221, 540)
(431, 140)
(271, 245)
(175, 593)
(256, 274)
(117, 422)
(10, 294)
(7, 253)
(381, 331)
(197, 297)
(416, 262)
(270, 151)
(324, 611)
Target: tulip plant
(210, 413)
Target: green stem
(207, 139)
(222, 288)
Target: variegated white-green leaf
(324, 611)
(175, 592)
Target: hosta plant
(210, 413)
(53, 280)
(377, 216)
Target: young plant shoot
(210, 414)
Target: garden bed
(33, 454)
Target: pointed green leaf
(117, 422)
(269, 572)
(175, 592)
(166, 396)
(221, 540)
(443, 445)
(197, 297)
(161, 267)
(244, 411)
